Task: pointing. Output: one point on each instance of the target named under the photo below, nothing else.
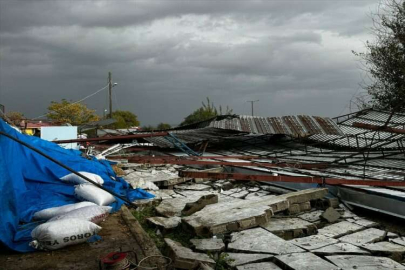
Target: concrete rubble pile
(249, 226)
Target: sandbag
(89, 192)
(94, 213)
(61, 233)
(56, 211)
(77, 180)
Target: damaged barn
(241, 192)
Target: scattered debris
(340, 229)
(364, 262)
(165, 223)
(313, 242)
(304, 261)
(330, 215)
(185, 258)
(261, 241)
(364, 237)
(289, 228)
(237, 259)
(208, 245)
(259, 266)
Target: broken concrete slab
(392, 235)
(346, 213)
(222, 185)
(364, 262)
(234, 215)
(340, 229)
(185, 258)
(236, 259)
(364, 237)
(163, 194)
(276, 190)
(294, 209)
(313, 216)
(304, 261)
(240, 195)
(305, 195)
(208, 245)
(306, 206)
(261, 241)
(399, 241)
(174, 207)
(165, 223)
(192, 207)
(253, 196)
(195, 187)
(259, 266)
(313, 242)
(147, 202)
(233, 191)
(333, 202)
(330, 215)
(385, 248)
(289, 228)
(340, 249)
(365, 223)
(243, 214)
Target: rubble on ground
(294, 230)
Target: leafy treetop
(125, 119)
(207, 111)
(72, 113)
(384, 59)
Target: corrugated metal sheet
(295, 126)
(355, 137)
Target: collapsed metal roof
(357, 132)
(295, 126)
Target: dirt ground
(115, 234)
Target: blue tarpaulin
(30, 182)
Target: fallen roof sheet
(295, 126)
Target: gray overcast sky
(168, 56)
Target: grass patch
(141, 214)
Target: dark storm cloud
(167, 56)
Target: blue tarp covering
(29, 183)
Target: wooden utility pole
(253, 101)
(110, 94)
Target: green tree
(205, 112)
(125, 119)
(163, 126)
(15, 117)
(72, 113)
(384, 59)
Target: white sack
(94, 214)
(60, 210)
(77, 180)
(61, 233)
(88, 192)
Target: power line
(76, 101)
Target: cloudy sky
(167, 56)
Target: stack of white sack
(77, 180)
(74, 223)
(86, 191)
(95, 214)
(60, 233)
(56, 211)
(89, 192)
